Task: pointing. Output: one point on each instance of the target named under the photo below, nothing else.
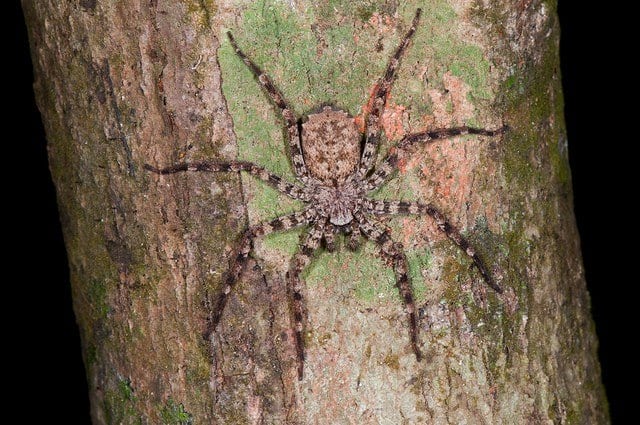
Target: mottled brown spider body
(331, 146)
(334, 167)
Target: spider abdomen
(331, 145)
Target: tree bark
(120, 84)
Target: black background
(42, 338)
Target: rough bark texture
(128, 82)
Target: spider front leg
(291, 122)
(379, 101)
(300, 261)
(392, 252)
(415, 208)
(242, 254)
(390, 163)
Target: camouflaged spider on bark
(334, 167)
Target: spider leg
(380, 207)
(329, 237)
(354, 236)
(389, 164)
(379, 100)
(242, 254)
(291, 122)
(446, 133)
(393, 253)
(289, 189)
(301, 259)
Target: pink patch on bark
(392, 120)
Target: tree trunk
(120, 84)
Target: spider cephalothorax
(334, 168)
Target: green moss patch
(173, 413)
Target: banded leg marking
(393, 253)
(446, 133)
(354, 236)
(288, 115)
(390, 163)
(242, 254)
(289, 189)
(380, 100)
(301, 260)
(380, 207)
(329, 237)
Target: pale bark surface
(123, 83)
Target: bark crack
(121, 135)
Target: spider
(334, 168)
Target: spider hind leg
(380, 207)
(241, 256)
(393, 254)
(295, 284)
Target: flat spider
(333, 177)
